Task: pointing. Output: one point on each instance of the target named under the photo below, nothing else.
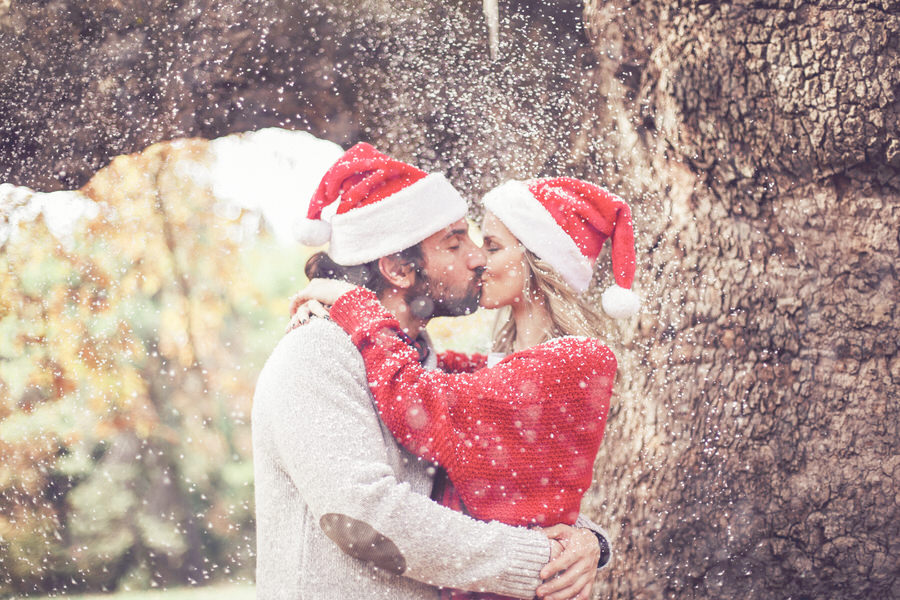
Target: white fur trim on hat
(620, 303)
(534, 226)
(397, 222)
(313, 232)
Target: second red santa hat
(565, 222)
(369, 205)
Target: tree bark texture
(83, 82)
(752, 450)
(754, 453)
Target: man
(343, 511)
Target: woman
(518, 439)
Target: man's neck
(393, 300)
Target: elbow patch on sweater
(360, 540)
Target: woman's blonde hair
(570, 314)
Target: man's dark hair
(367, 275)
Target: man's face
(450, 283)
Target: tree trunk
(753, 453)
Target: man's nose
(475, 258)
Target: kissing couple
(385, 470)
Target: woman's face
(503, 280)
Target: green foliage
(129, 355)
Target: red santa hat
(369, 205)
(565, 222)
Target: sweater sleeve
(428, 411)
(603, 539)
(316, 413)
(451, 361)
(493, 421)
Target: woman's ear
(398, 272)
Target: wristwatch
(605, 550)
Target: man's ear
(398, 272)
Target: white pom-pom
(313, 233)
(620, 303)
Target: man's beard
(428, 298)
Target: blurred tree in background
(130, 350)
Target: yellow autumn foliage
(128, 355)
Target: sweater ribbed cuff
(602, 539)
(528, 551)
(359, 311)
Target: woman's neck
(533, 323)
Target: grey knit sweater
(342, 510)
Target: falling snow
(750, 448)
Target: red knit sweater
(518, 440)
